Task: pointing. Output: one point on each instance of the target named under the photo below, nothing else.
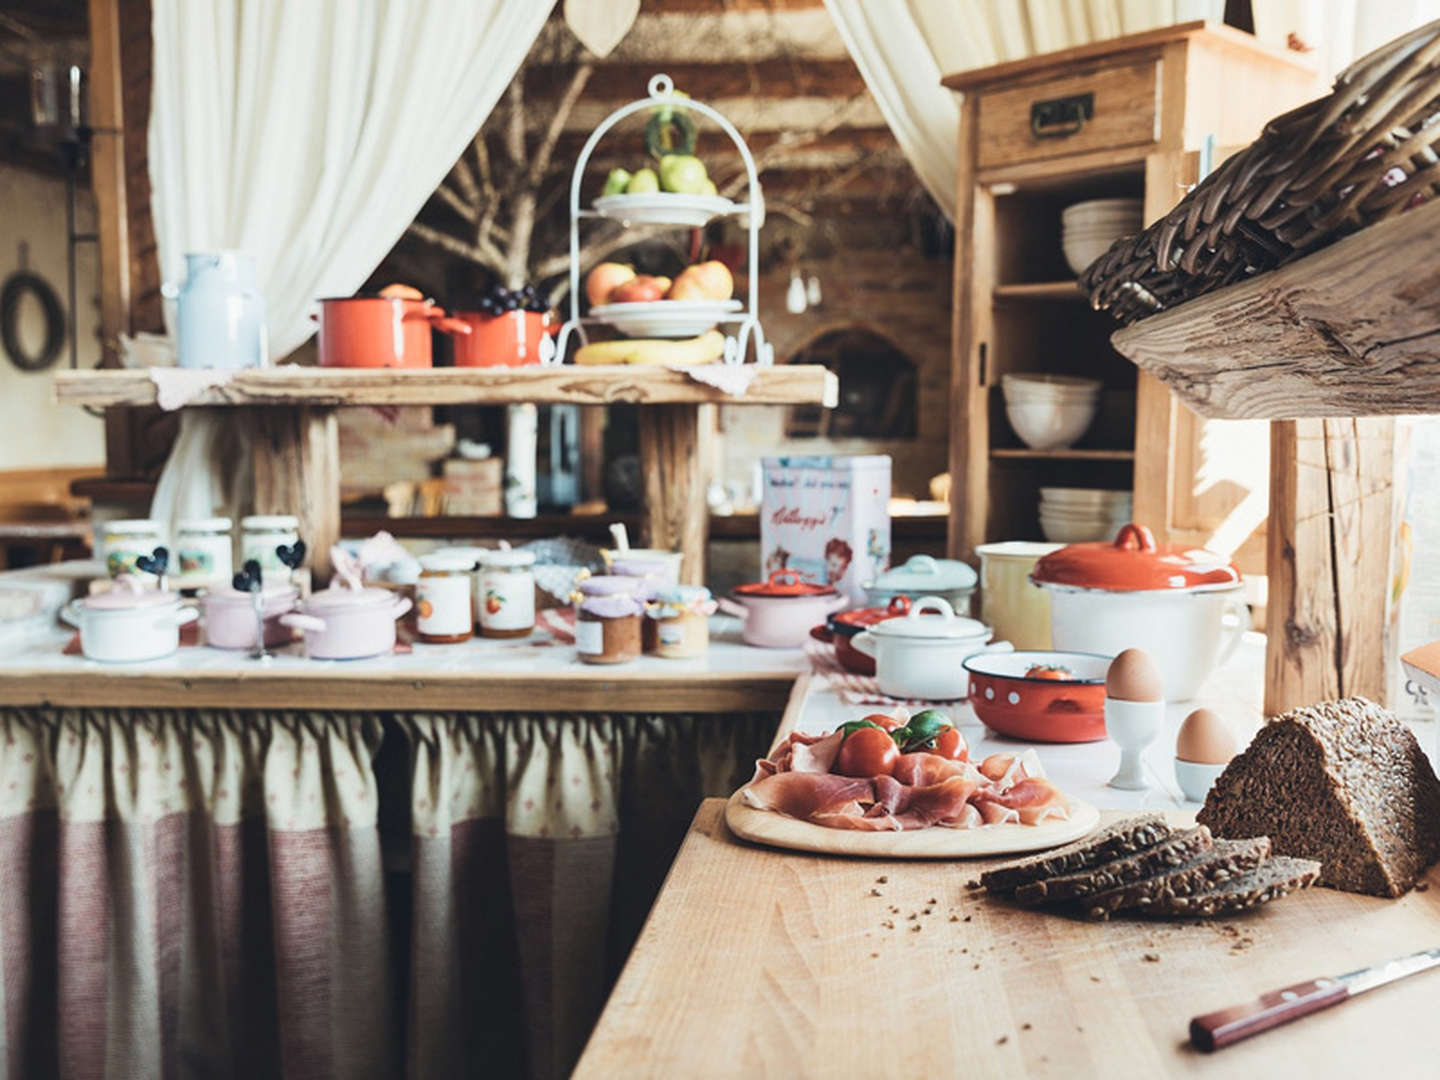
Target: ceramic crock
(1011, 604)
(918, 657)
(343, 623)
(128, 622)
(924, 575)
(381, 331)
(510, 339)
(778, 613)
(220, 312)
(230, 616)
(1183, 606)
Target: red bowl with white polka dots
(1040, 696)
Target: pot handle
(837, 603)
(70, 613)
(864, 642)
(181, 617)
(937, 604)
(730, 607)
(401, 606)
(1237, 610)
(302, 622)
(448, 325)
(995, 647)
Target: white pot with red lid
(1185, 607)
(779, 612)
(920, 655)
(346, 622)
(129, 622)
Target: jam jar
(607, 628)
(261, 534)
(505, 593)
(126, 539)
(203, 552)
(680, 616)
(654, 573)
(443, 613)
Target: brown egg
(1133, 676)
(1206, 739)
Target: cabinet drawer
(1104, 109)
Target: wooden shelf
(783, 384)
(1040, 290)
(1351, 330)
(1011, 453)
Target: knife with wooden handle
(1219, 1029)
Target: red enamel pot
(381, 331)
(510, 339)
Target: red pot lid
(1134, 563)
(850, 623)
(784, 583)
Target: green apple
(643, 182)
(616, 182)
(709, 188)
(684, 173)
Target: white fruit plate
(664, 208)
(665, 318)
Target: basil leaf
(900, 735)
(927, 724)
(855, 725)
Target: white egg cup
(1132, 725)
(1196, 778)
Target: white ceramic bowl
(1091, 207)
(1196, 779)
(664, 208)
(1064, 532)
(1045, 426)
(665, 318)
(1060, 496)
(1079, 254)
(1049, 385)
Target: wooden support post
(672, 457)
(297, 471)
(1331, 510)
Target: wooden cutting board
(777, 830)
(759, 963)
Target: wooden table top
(763, 963)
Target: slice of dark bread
(1205, 871)
(1175, 850)
(1277, 876)
(1122, 838)
(1344, 782)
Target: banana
(699, 350)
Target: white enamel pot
(121, 635)
(348, 624)
(922, 656)
(779, 613)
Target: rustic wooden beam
(1351, 330)
(672, 457)
(1331, 511)
(621, 81)
(297, 471)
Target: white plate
(665, 318)
(664, 208)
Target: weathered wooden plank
(673, 461)
(1352, 330)
(783, 384)
(297, 471)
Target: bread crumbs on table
(913, 915)
(1002, 1040)
(954, 918)
(915, 928)
(975, 968)
(1025, 1026)
(932, 900)
(1151, 958)
(876, 892)
(873, 955)
(1094, 978)
(889, 924)
(882, 879)
(967, 918)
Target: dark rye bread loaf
(1343, 782)
(1277, 876)
(1177, 849)
(1112, 842)
(1209, 869)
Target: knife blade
(1225, 1026)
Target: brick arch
(877, 400)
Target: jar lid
(127, 594)
(849, 623)
(613, 606)
(340, 597)
(448, 561)
(945, 626)
(270, 521)
(506, 558)
(1134, 563)
(681, 595)
(925, 574)
(610, 585)
(784, 583)
(132, 526)
(1016, 549)
(210, 524)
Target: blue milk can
(220, 315)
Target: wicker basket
(1316, 174)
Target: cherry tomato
(884, 720)
(868, 751)
(950, 744)
(1050, 671)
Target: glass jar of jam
(203, 552)
(607, 628)
(680, 617)
(261, 534)
(125, 540)
(505, 593)
(443, 613)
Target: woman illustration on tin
(837, 559)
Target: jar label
(506, 600)
(442, 605)
(590, 636)
(672, 632)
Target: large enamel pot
(381, 331)
(510, 339)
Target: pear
(616, 182)
(643, 182)
(684, 173)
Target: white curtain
(1339, 31)
(309, 133)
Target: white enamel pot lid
(341, 597)
(924, 574)
(916, 625)
(128, 594)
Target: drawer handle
(1059, 118)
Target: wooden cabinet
(1122, 118)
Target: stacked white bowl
(1049, 412)
(1087, 229)
(1074, 515)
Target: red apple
(604, 280)
(640, 289)
(703, 281)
